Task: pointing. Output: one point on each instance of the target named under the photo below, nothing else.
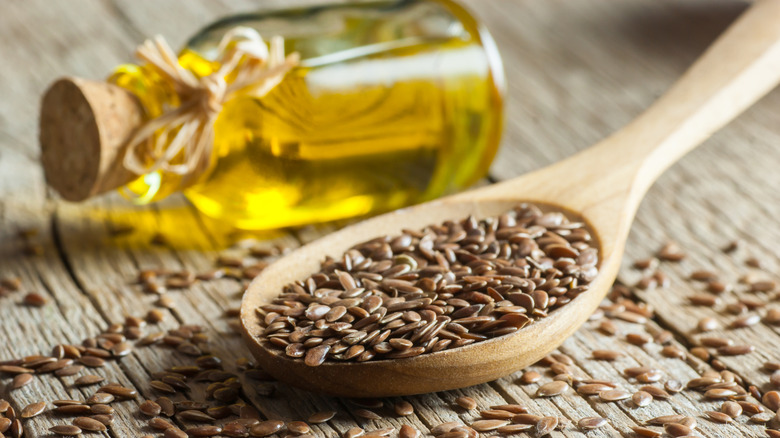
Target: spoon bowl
(601, 186)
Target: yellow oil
(342, 139)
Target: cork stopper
(84, 128)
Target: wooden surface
(577, 71)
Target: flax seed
(89, 424)
(641, 398)
(488, 425)
(608, 355)
(33, 410)
(321, 417)
(265, 428)
(21, 380)
(65, 430)
(590, 423)
(403, 408)
(552, 389)
(407, 431)
(467, 403)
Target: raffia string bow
(189, 128)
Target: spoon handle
(739, 68)
(611, 177)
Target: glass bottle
(393, 103)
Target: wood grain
(577, 72)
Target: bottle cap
(84, 128)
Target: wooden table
(577, 71)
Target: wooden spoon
(602, 185)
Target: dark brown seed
(35, 299)
(666, 419)
(166, 406)
(732, 409)
(89, 424)
(552, 389)
(488, 425)
(203, 431)
(746, 321)
(590, 423)
(735, 350)
(321, 417)
(33, 410)
(101, 409)
(467, 403)
(403, 408)
(150, 408)
(65, 430)
(14, 369)
(638, 338)
(73, 410)
(193, 415)
(265, 428)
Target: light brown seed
(671, 252)
(707, 324)
(33, 410)
(160, 424)
(467, 403)
(89, 424)
(761, 418)
(552, 389)
(101, 409)
(488, 425)
(665, 419)
(5, 424)
(646, 432)
(614, 395)
(354, 432)
(546, 425)
(511, 429)
(321, 417)
(590, 423)
(732, 409)
(677, 430)
(92, 361)
(194, 415)
(673, 386)
(638, 338)
(719, 417)
(593, 388)
(174, 432)
(65, 430)
(530, 377)
(608, 327)
(746, 321)
(641, 398)
(706, 300)
(771, 399)
(21, 380)
(606, 354)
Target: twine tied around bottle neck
(243, 56)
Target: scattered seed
(488, 425)
(590, 423)
(552, 389)
(529, 377)
(467, 403)
(677, 430)
(21, 380)
(403, 408)
(321, 417)
(33, 410)
(150, 408)
(89, 424)
(719, 417)
(614, 395)
(35, 299)
(641, 398)
(65, 430)
(265, 428)
(408, 431)
(606, 354)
